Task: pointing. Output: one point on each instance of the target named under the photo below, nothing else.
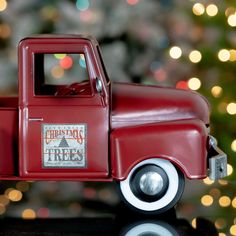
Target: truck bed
(8, 102)
(8, 135)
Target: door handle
(36, 119)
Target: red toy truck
(71, 123)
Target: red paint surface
(181, 142)
(8, 143)
(137, 105)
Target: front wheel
(153, 186)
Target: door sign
(64, 145)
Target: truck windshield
(61, 74)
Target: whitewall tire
(153, 186)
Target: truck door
(64, 120)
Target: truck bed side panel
(8, 141)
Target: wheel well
(178, 165)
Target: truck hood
(134, 104)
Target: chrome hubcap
(151, 183)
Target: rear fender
(181, 142)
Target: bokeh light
(43, 212)
(60, 55)
(222, 107)
(224, 55)
(194, 83)
(231, 108)
(89, 193)
(220, 223)
(175, 52)
(212, 10)
(232, 55)
(229, 11)
(132, 2)
(5, 31)
(82, 61)
(233, 230)
(230, 169)
(22, 186)
(7, 191)
(28, 214)
(3, 5)
(195, 56)
(104, 194)
(194, 223)
(50, 13)
(221, 234)
(198, 9)
(224, 201)
(216, 91)
(160, 74)
(15, 195)
(232, 20)
(75, 208)
(234, 202)
(223, 182)
(57, 72)
(88, 16)
(215, 192)
(82, 5)
(66, 62)
(208, 181)
(233, 145)
(207, 200)
(182, 84)
(4, 200)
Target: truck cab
(71, 122)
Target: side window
(61, 75)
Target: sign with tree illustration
(64, 145)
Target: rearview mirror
(98, 85)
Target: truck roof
(64, 36)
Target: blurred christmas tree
(183, 44)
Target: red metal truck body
(97, 130)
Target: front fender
(184, 143)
